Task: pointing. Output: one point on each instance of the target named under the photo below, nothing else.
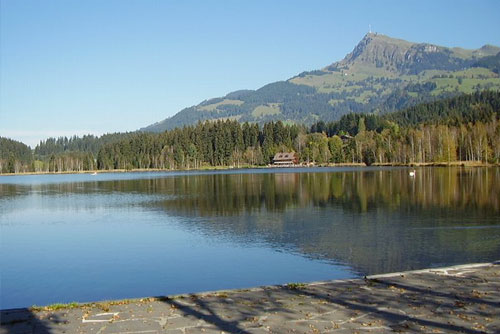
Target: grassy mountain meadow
(382, 74)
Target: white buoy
(412, 173)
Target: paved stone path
(462, 299)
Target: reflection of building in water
(286, 159)
(285, 181)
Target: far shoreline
(221, 168)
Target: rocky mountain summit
(402, 57)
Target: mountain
(380, 75)
(490, 62)
(405, 58)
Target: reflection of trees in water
(376, 221)
(432, 188)
(357, 191)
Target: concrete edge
(437, 270)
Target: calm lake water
(86, 238)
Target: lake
(87, 238)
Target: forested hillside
(87, 143)
(455, 111)
(463, 128)
(71, 154)
(15, 157)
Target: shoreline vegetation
(464, 130)
(244, 167)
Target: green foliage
(481, 106)
(221, 143)
(65, 154)
(86, 143)
(361, 125)
(335, 146)
(295, 286)
(421, 88)
(15, 156)
(315, 72)
(459, 128)
(350, 124)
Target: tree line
(464, 128)
(15, 157)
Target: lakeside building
(285, 159)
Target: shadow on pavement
(210, 316)
(396, 320)
(23, 320)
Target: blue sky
(98, 66)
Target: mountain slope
(381, 74)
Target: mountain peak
(376, 52)
(489, 50)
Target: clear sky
(97, 66)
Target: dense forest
(463, 128)
(463, 109)
(15, 157)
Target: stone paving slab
(460, 299)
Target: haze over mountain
(381, 74)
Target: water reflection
(373, 221)
(376, 221)
(227, 194)
(433, 189)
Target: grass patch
(334, 102)
(104, 305)
(268, 109)
(56, 306)
(231, 118)
(467, 85)
(212, 107)
(295, 286)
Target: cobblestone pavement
(448, 300)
